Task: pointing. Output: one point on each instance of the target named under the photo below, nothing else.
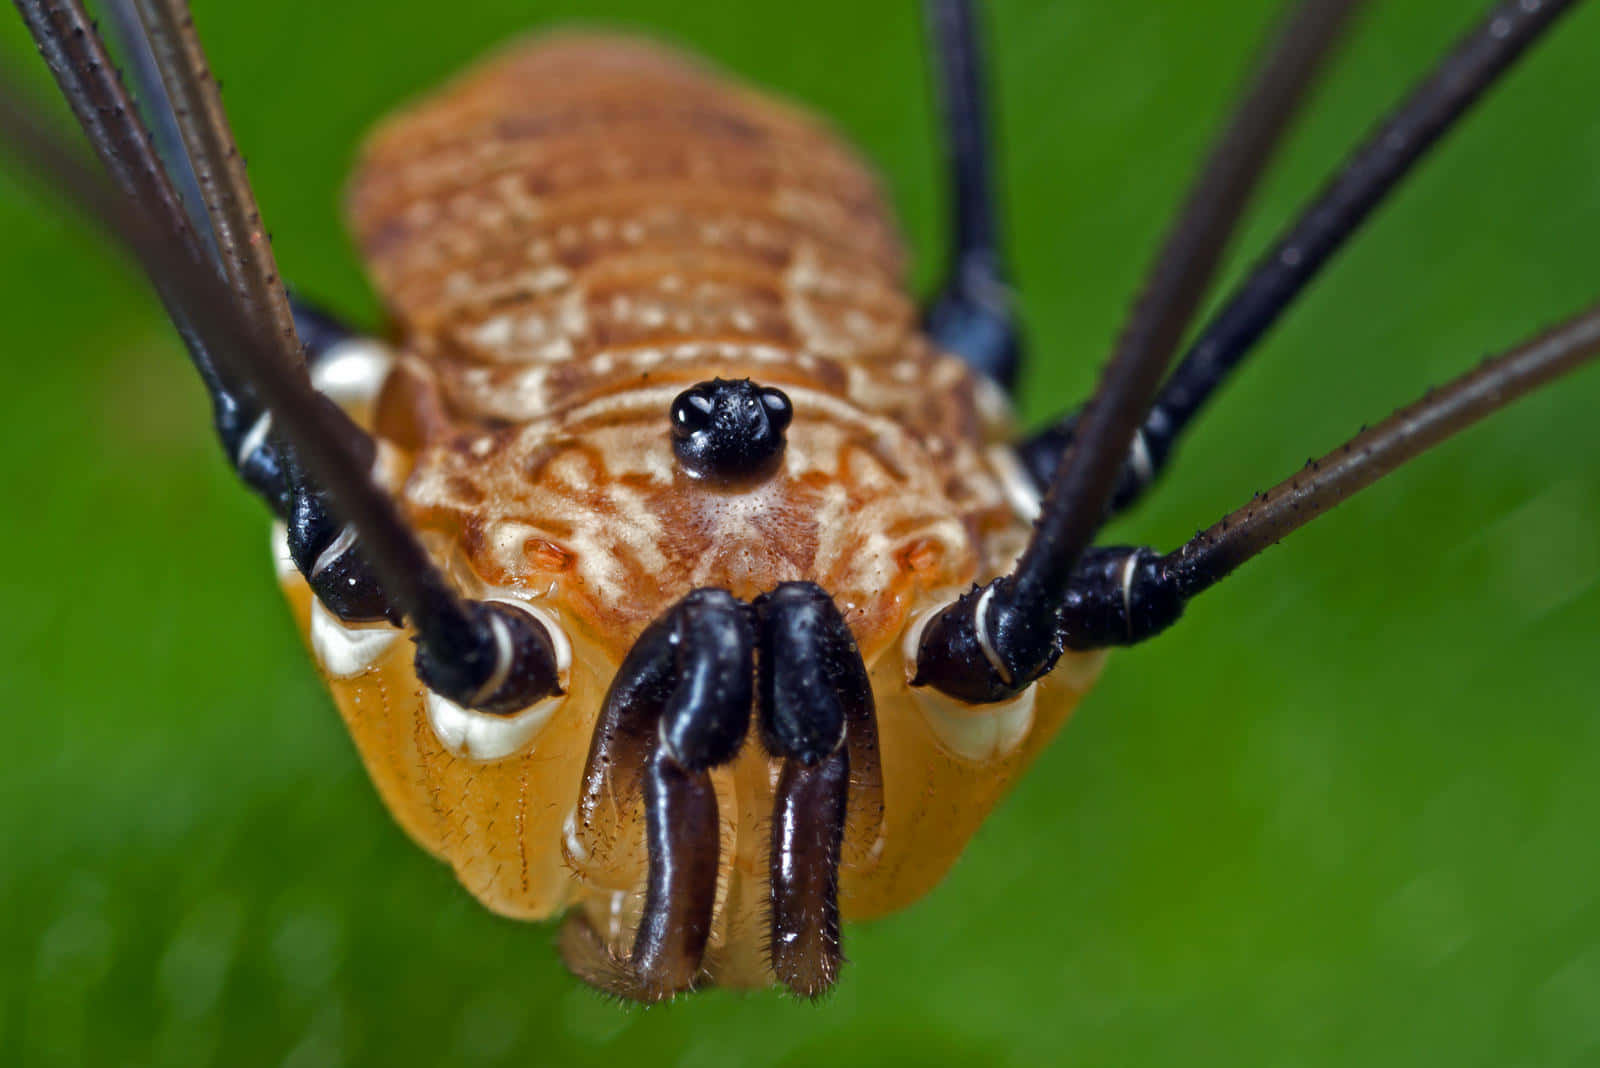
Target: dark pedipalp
(680, 892)
(708, 714)
(681, 827)
(802, 641)
(808, 818)
(814, 694)
(679, 705)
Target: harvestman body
(660, 452)
(571, 237)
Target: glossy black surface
(729, 431)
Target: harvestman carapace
(661, 450)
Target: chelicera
(752, 666)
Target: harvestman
(671, 718)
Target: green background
(1345, 813)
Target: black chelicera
(683, 699)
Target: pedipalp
(680, 706)
(816, 709)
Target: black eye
(692, 410)
(779, 410)
(729, 431)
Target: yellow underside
(503, 824)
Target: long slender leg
(991, 643)
(230, 205)
(463, 646)
(321, 545)
(1371, 172)
(128, 34)
(87, 79)
(972, 315)
(347, 587)
(318, 330)
(1121, 596)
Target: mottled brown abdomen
(587, 197)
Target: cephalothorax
(666, 568)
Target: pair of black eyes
(695, 409)
(729, 429)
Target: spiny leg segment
(1370, 173)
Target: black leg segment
(1124, 595)
(971, 317)
(1373, 171)
(237, 326)
(991, 644)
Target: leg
(991, 643)
(240, 335)
(1121, 596)
(1372, 171)
(317, 329)
(971, 317)
(1124, 595)
(156, 107)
